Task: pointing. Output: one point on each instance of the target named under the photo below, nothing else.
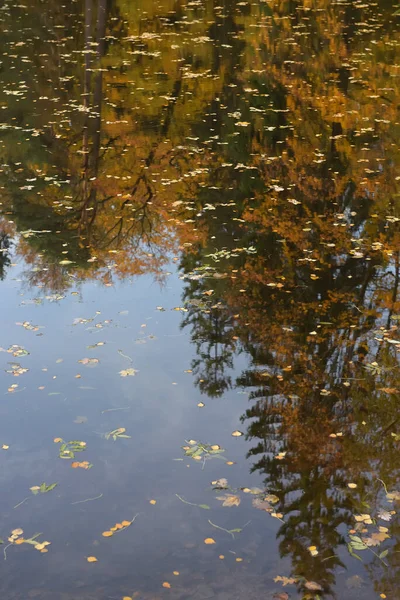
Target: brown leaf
(285, 580)
(262, 505)
(313, 586)
(375, 539)
(229, 500)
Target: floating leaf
(285, 580)
(375, 539)
(209, 541)
(237, 433)
(313, 586)
(262, 505)
(166, 585)
(229, 500)
(128, 372)
(91, 559)
(220, 483)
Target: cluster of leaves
(116, 434)
(200, 451)
(43, 488)
(69, 449)
(117, 527)
(16, 539)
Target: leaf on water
(271, 498)
(166, 585)
(81, 465)
(80, 420)
(285, 580)
(91, 559)
(236, 433)
(375, 539)
(89, 361)
(153, 502)
(363, 519)
(393, 496)
(229, 500)
(128, 372)
(209, 541)
(107, 533)
(313, 586)
(262, 505)
(220, 483)
(385, 515)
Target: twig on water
(87, 499)
(24, 500)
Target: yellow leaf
(127, 598)
(17, 532)
(237, 433)
(352, 486)
(91, 559)
(221, 556)
(107, 533)
(153, 501)
(43, 551)
(126, 523)
(363, 519)
(239, 559)
(19, 541)
(215, 447)
(57, 440)
(176, 573)
(229, 462)
(5, 447)
(166, 584)
(118, 525)
(209, 541)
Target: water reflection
(254, 145)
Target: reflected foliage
(256, 145)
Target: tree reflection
(259, 146)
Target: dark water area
(200, 270)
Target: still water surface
(200, 269)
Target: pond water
(200, 270)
